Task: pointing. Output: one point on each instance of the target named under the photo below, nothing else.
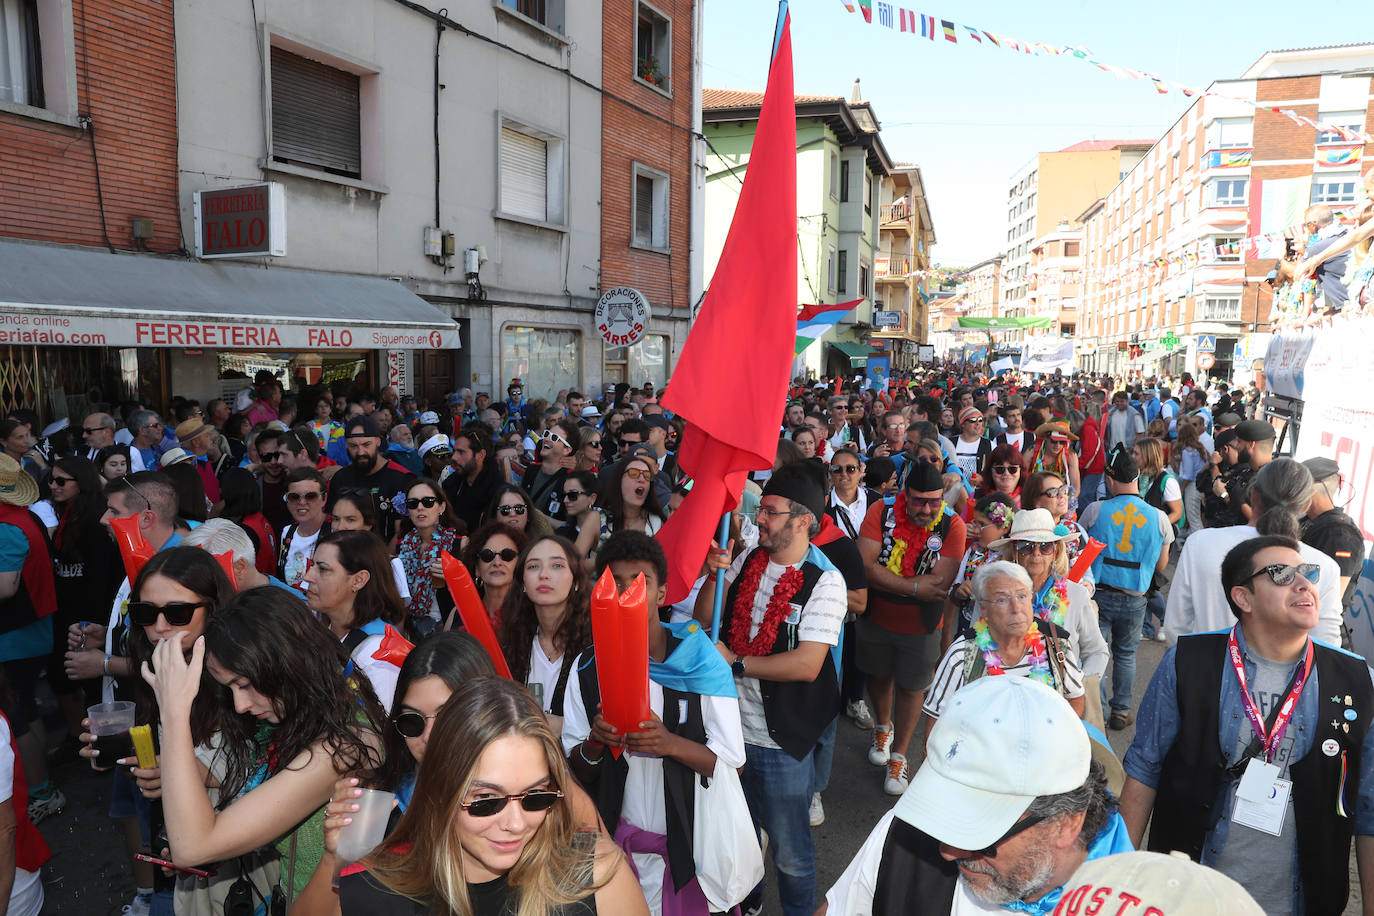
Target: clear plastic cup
(110, 723)
(369, 825)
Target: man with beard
(475, 477)
(1006, 807)
(780, 632)
(274, 463)
(369, 471)
(1015, 431)
(1255, 441)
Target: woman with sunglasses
(1006, 473)
(849, 498)
(428, 530)
(490, 830)
(630, 499)
(293, 715)
(306, 492)
(1044, 490)
(1053, 454)
(349, 585)
(1037, 544)
(590, 452)
(547, 621)
(588, 525)
(490, 556)
(511, 507)
(544, 478)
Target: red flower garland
(910, 533)
(778, 607)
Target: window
(21, 56)
(1225, 308)
(834, 174)
(842, 281)
(1350, 120)
(1226, 257)
(653, 47)
(844, 182)
(868, 192)
(1335, 189)
(649, 360)
(545, 359)
(548, 13)
(1230, 133)
(531, 179)
(316, 115)
(864, 289)
(1071, 249)
(830, 270)
(650, 208)
(1227, 192)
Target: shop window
(653, 47)
(545, 359)
(316, 115)
(531, 174)
(650, 208)
(648, 361)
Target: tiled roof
(1096, 146)
(744, 98)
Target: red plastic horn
(226, 562)
(132, 547)
(394, 647)
(464, 593)
(1085, 560)
(620, 631)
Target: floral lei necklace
(900, 560)
(1035, 647)
(1052, 603)
(778, 607)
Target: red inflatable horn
(1085, 560)
(620, 632)
(132, 547)
(394, 647)
(464, 593)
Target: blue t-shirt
(34, 640)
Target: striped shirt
(949, 675)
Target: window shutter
(644, 210)
(315, 114)
(524, 175)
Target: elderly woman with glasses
(1009, 638)
(1037, 544)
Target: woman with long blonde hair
(489, 830)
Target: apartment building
(982, 288)
(1056, 279)
(905, 239)
(1176, 254)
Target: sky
(971, 115)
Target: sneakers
(45, 806)
(898, 775)
(879, 753)
(1161, 635)
(140, 906)
(858, 711)
(1120, 720)
(817, 811)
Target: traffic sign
(1206, 343)
(1205, 360)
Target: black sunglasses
(410, 724)
(486, 554)
(990, 852)
(416, 502)
(1044, 547)
(537, 800)
(178, 613)
(269, 457)
(575, 494)
(511, 510)
(1284, 574)
(62, 481)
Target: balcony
(896, 215)
(891, 270)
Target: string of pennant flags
(924, 26)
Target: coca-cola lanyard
(1286, 708)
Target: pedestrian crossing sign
(1207, 343)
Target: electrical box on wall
(434, 243)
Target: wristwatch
(737, 666)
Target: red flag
(731, 380)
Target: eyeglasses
(576, 494)
(538, 800)
(411, 724)
(178, 613)
(486, 554)
(844, 469)
(156, 424)
(1006, 469)
(62, 481)
(269, 457)
(923, 503)
(416, 502)
(92, 430)
(1006, 599)
(1056, 492)
(596, 443)
(1044, 548)
(638, 473)
(895, 425)
(991, 851)
(1284, 574)
(310, 497)
(511, 510)
(773, 513)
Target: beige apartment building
(905, 239)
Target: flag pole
(722, 539)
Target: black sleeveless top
(360, 894)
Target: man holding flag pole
(779, 641)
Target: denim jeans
(823, 756)
(1088, 490)
(778, 790)
(1120, 617)
(1155, 604)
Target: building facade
(1177, 253)
(905, 239)
(1056, 279)
(841, 163)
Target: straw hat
(16, 486)
(1033, 525)
(189, 429)
(175, 456)
(1056, 429)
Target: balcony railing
(899, 211)
(891, 268)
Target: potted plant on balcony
(650, 72)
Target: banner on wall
(878, 372)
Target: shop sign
(622, 316)
(887, 319)
(243, 222)
(398, 370)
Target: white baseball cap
(1151, 882)
(1001, 743)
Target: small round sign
(1330, 747)
(622, 316)
(1205, 360)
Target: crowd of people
(983, 555)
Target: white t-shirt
(966, 455)
(1017, 439)
(819, 621)
(852, 893)
(26, 896)
(643, 802)
(302, 549)
(949, 676)
(544, 671)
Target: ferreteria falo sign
(242, 222)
